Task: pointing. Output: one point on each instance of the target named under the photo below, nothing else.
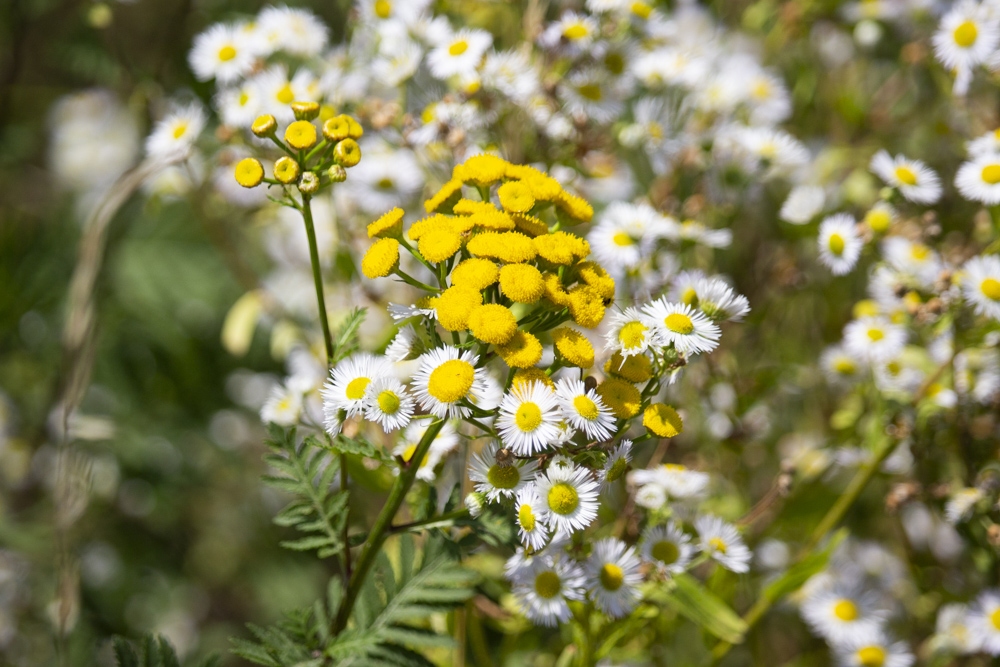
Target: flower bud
(264, 126)
(309, 183)
(301, 135)
(336, 128)
(475, 502)
(286, 170)
(337, 174)
(305, 110)
(356, 129)
(347, 153)
(249, 172)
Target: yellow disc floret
(492, 323)
(249, 172)
(621, 397)
(516, 197)
(521, 283)
(482, 170)
(389, 225)
(347, 153)
(563, 499)
(662, 420)
(451, 381)
(475, 273)
(454, 306)
(439, 245)
(523, 350)
(381, 259)
(301, 135)
(561, 247)
(574, 347)
(509, 247)
(526, 376)
(636, 368)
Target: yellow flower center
(906, 176)
(632, 334)
(878, 219)
(227, 53)
(528, 417)
(388, 402)
(612, 577)
(586, 408)
(179, 130)
(679, 323)
(458, 48)
(614, 62)
(616, 470)
(845, 610)
(995, 619)
(409, 452)
(356, 389)
(919, 252)
(591, 91)
(383, 8)
(249, 172)
(385, 184)
(991, 174)
(575, 31)
(451, 380)
(893, 368)
(641, 9)
(717, 544)
(623, 239)
(991, 288)
(965, 34)
(244, 98)
(875, 335)
(665, 552)
(547, 585)
(836, 244)
(286, 95)
(526, 518)
(844, 367)
(871, 656)
(563, 498)
(503, 477)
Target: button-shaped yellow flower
(574, 347)
(249, 172)
(347, 153)
(381, 259)
(301, 135)
(286, 170)
(492, 323)
(662, 420)
(264, 126)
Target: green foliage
(799, 574)
(692, 600)
(153, 652)
(346, 340)
(308, 471)
(389, 619)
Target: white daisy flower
(879, 217)
(384, 11)
(803, 203)
(385, 178)
(913, 259)
(768, 98)
(687, 329)
(874, 338)
(984, 621)
(624, 235)
(977, 374)
(778, 151)
(569, 499)
(979, 179)
(629, 332)
(531, 527)
(984, 144)
(573, 31)
(445, 378)
(981, 285)
(499, 481)
(584, 410)
(590, 94)
(176, 132)
(444, 443)
(967, 36)
(841, 614)
(528, 420)
(959, 507)
(544, 586)
(839, 243)
(676, 480)
(616, 464)
(914, 179)
(719, 301)
(878, 651)
(668, 548)
(840, 366)
(511, 73)
(283, 407)
(422, 308)
(650, 496)
(238, 106)
(295, 31)
(347, 386)
(388, 403)
(398, 63)
(722, 542)
(221, 52)
(402, 344)
(613, 577)
(276, 91)
(951, 629)
(459, 54)
(697, 232)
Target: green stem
(380, 529)
(441, 521)
(410, 280)
(317, 278)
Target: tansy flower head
(554, 289)
(523, 350)
(439, 245)
(575, 207)
(455, 305)
(264, 126)
(482, 170)
(301, 135)
(249, 172)
(381, 259)
(336, 128)
(475, 273)
(286, 170)
(347, 153)
(484, 214)
(574, 347)
(593, 274)
(621, 396)
(516, 197)
(305, 111)
(662, 420)
(636, 368)
(389, 225)
(521, 283)
(449, 192)
(509, 247)
(529, 224)
(561, 247)
(492, 323)
(528, 375)
(543, 187)
(586, 306)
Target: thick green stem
(317, 278)
(380, 529)
(440, 521)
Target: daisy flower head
(913, 259)
(967, 36)
(283, 407)
(839, 243)
(569, 499)
(650, 496)
(624, 235)
(347, 386)
(459, 54)
(877, 651)
(676, 480)
(723, 544)
(629, 333)
(590, 94)
(445, 378)
(951, 629)
(176, 132)
(385, 11)
(879, 217)
(573, 32)
(979, 179)
(402, 344)
(914, 179)
(874, 338)
(388, 403)
(531, 527)
(961, 504)
(222, 53)
(239, 105)
(616, 464)
(295, 31)
(985, 144)
(613, 577)
(528, 420)
(719, 301)
(277, 90)
(545, 585)
(584, 409)
(688, 330)
(842, 614)
(667, 547)
(443, 444)
(981, 285)
(984, 621)
(500, 480)
(840, 366)
(803, 203)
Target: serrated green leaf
(693, 601)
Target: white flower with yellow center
(981, 285)
(590, 94)
(841, 614)
(528, 420)
(511, 73)
(446, 377)
(875, 651)
(677, 324)
(987, 143)
(222, 53)
(276, 91)
(443, 444)
(984, 621)
(584, 409)
(668, 548)
(629, 333)
(347, 385)
(544, 586)
(388, 403)
(719, 301)
(391, 11)
(874, 338)
(459, 54)
(295, 31)
(529, 513)
(979, 179)
(624, 235)
(402, 343)
(951, 629)
(613, 577)
(238, 106)
(569, 499)
(176, 132)
(283, 407)
(967, 36)
(499, 480)
(650, 496)
(723, 544)
(915, 260)
(842, 367)
(573, 32)
(914, 179)
(387, 176)
(879, 217)
(676, 480)
(616, 464)
(803, 203)
(961, 504)
(423, 307)
(839, 243)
